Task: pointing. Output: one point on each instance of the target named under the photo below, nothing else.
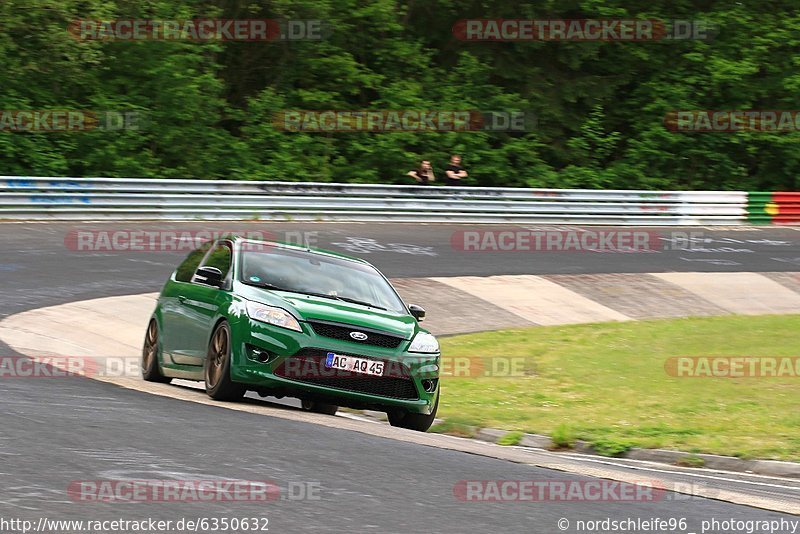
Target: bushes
(600, 105)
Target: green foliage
(563, 437)
(610, 447)
(454, 427)
(511, 438)
(600, 105)
(691, 461)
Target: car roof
(294, 246)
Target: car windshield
(297, 271)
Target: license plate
(354, 364)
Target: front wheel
(151, 371)
(219, 385)
(413, 421)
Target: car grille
(308, 366)
(343, 332)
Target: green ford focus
(284, 320)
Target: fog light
(429, 384)
(259, 355)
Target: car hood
(311, 308)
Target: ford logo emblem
(358, 336)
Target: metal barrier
(773, 208)
(53, 198)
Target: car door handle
(181, 299)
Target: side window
(220, 258)
(186, 269)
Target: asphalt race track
(38, 268)
(55, 432)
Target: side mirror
(210, 276)
(417, 311)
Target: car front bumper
(278, 361)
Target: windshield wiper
(265, 285)
(337, 297)
(356, 301)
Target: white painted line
(740, 293)
(690, 473)
(535, 299)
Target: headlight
(272, 315)
(424, 342)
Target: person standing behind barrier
(424, 174)
(454, 172)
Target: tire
(319, 407)
(217, 367)
(151, 371)
(413, 421)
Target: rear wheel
(219, 385)
(319, 407)
(413, 421)
(151, 371)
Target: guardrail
(773, 208)
(53, 198)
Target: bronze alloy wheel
(219, 385)
(151, 371)
(217, 355)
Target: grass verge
(607, 384)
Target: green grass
(691, 461)
(563, 437)
(606, 384)
(454, 428)
(512, 438)
(611, 447)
